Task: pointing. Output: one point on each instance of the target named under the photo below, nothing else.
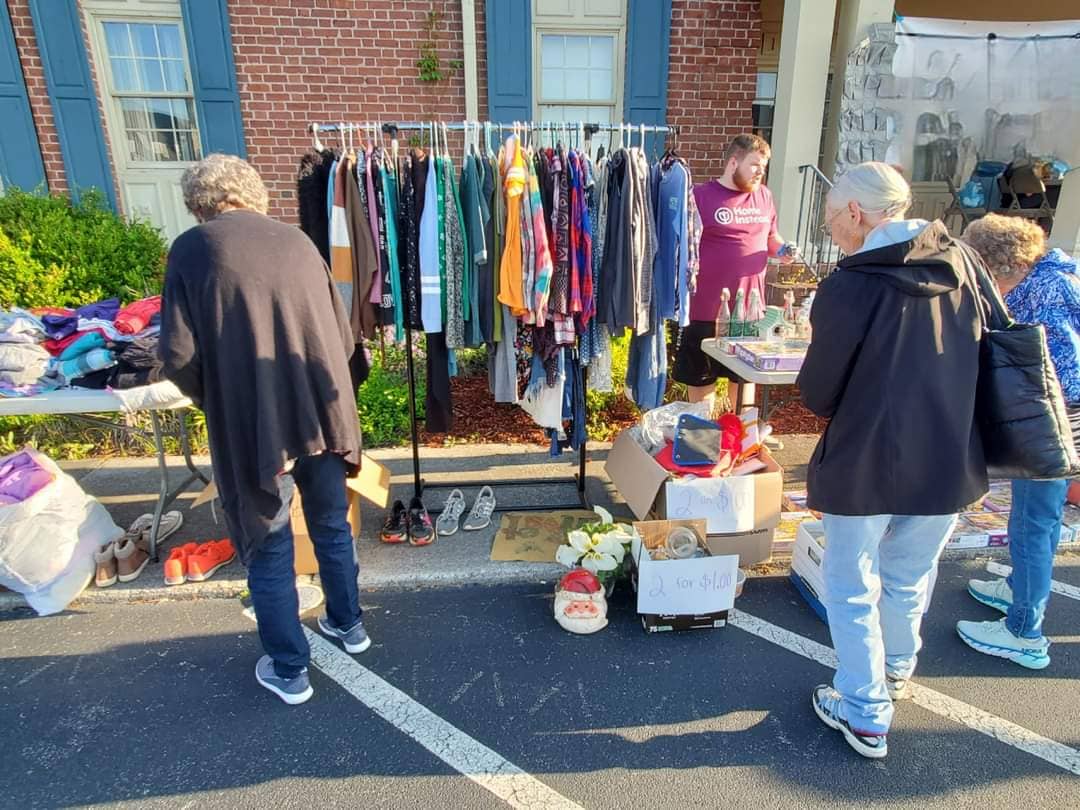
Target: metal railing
(815, 245)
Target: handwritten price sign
(687, 587)
(727, 504)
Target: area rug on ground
(534, 536)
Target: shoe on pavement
(898, 687)
(482, 510)
(208, 558)
(994, 638)
(450, 517)
(131, 559)
(827, 705)
(421, 532)
(105, 566)
(994, 593)
(293, 691)
(355, 640)
(396, 527)
(176, 564)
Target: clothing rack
(419, 484)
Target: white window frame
(618, 68)
(96, 18)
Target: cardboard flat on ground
(534, 536)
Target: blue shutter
(74, 102)
(509, 60)
(20, 153)
(210, 52)
(648, 39)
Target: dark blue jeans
(271, 575)
(1034, 532)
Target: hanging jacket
(515, 183)
(673, 234)
(312, 187)
(364, 258)
(430, 270)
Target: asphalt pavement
(156, 705)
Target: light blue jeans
(877, 576)
(1034, 532)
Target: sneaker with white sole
(450, 518)
(827, 705)
(994, 638)
(483, 508)
(994, 593)
(898, 687)
(355, 640)
(293, 691)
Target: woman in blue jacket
(1038, 287)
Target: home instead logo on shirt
(748, 215)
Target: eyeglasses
(826, 227)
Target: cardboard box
(740, 511)
(689, 594)
(371, 482)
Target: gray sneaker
(293, 691)
(355, 640)
(898, 687)
(480, 515)
(994, 593)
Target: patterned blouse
(1050, 295)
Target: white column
(856, 17)
(1066, 231)
(468, 30)
(805, 41)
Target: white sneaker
(994, 593)
(994, 638)
(898, 687)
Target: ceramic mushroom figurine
(580, 606)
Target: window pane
(124, 76)
(116, 39)
(150, 75)
(601, 52)
(551, 51)
(553, 85)
(577, 52)
(145, 39)
(175, 80)
(766, 85)
(183, 114)
(164, 145)
(134, 112)
(169, 40)
(599, 85)
(188, 145)
(161, 113)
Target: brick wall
(712, 76)
(303, 61)
(38, 92)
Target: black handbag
(1019, 406)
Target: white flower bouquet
(599, 547)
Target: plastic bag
(47, 542)
(658, 425)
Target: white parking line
(951, 709)
(1060, 588)
(453, 746)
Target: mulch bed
(478, 418)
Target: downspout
(468, 28)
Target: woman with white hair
(893, 366)
(253, 330)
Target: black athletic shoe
(396, 527)
(421, 532)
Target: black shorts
(692, 365)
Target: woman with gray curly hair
(220, 183)
(1038, 287)
(253, 330)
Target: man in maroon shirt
(738, 236)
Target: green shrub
(58, 253)
(383, 402)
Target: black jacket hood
(925, 266)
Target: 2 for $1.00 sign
(726, 504)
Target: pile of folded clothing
(100, 345)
